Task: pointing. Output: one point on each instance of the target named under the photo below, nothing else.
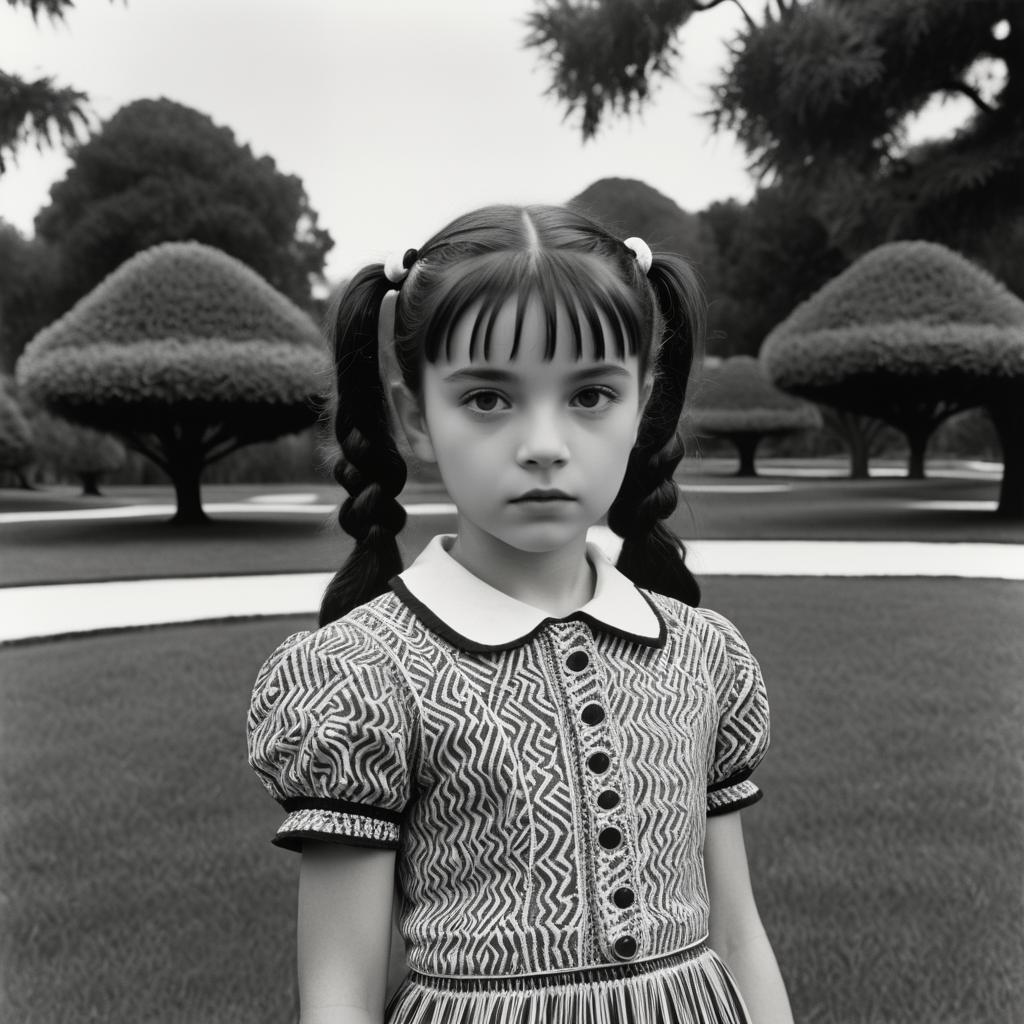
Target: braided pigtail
(369, 465)
(652, 556)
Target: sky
(396, 114)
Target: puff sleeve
(743, 733)
(329, 732)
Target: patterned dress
(545, 782)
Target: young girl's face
(502, 429)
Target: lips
(543, 495)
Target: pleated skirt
(692, 986)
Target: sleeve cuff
(732, 797)
(336, 827)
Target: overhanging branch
(971, 93)
(708, 5)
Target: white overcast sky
(396, 114)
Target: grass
(717, 506)
(140, 886)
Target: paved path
(32, 612)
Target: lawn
(139, 884)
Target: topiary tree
(75, 450)
(912, 333)
(736, 401)
(184, 353)
(15, 435)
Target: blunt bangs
(580, 283)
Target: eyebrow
(494, 374)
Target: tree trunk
(90, 484)
(187, 492)
(859, 453)
(746, 446)
(918, 441)
(1009, 421)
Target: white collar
(476, 616)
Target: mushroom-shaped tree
(184, 353)
(736, 400)
(15, 435)
(79, 451)
(912, 333)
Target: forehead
(529, 331)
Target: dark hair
(482, 261)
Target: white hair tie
(642, 252)
(397, 266)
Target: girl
(535, 756)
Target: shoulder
(348, 650)
(708, 627)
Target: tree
(159, 171)
(15, 435)
(770, 255)
(186, 355)
(819, 93)
(28, 283)
(736, 400)
(912, 333)
(39, 109)
(79, 451)
(632, 207)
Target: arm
(736, 933)
(344, 932)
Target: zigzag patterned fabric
(548, 801)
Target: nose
(543, 441)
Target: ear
(412, 421)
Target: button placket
(610, 840)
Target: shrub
(911, 334)
(187, 355)
(734, 399)
(75, 450)
(15, 434)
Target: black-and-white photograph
(512, 511)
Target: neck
(557, 582)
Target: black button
(592, 714)
(578, 661)
(609, 838)
(623, 898)
(625, 947)
(608, 799)
(598, 763)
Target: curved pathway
(35, 612)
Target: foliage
(72, 449)
(28, 283)
(187, 355)
(38, 110)
(630, 207)
(16, 449)
(734, 399)
(911, 333)
(757, 261)
(819, 93)
(160, 171)
(768, 256)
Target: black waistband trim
(584, 976)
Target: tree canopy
(911, 333)
(186, 355)
(159, 171)
(819, 93)
(735, 399)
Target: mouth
(541, 495)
